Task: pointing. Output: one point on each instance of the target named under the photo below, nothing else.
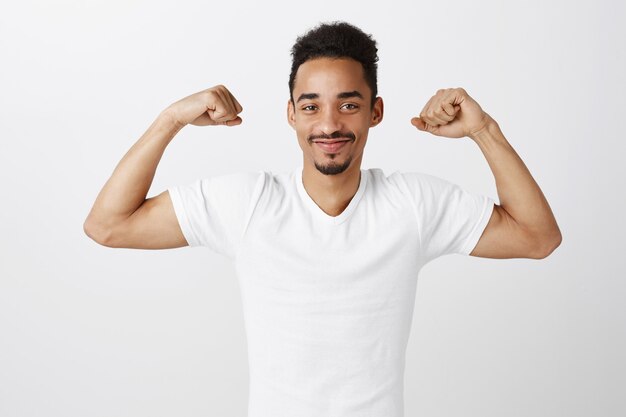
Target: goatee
(333, 168)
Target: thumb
(422, 125)
(418, 123)
(236, 121)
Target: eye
(309, 107)
(350, 106)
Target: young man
(328, 255)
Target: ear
(291, 114)
(377, 112)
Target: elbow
(96, 233)
(547, 245)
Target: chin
(333, 168)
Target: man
(328, 255)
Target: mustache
(334, 135)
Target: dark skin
(332, 103)
(329, 99)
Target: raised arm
(121, 215)
(523, 225)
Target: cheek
(302, 134)
(360, 121)
(303, 128)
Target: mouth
(331, 145)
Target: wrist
(488, 130)
(170, 119)
(164, 127)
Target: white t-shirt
(328, 301)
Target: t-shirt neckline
(318, 212)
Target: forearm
(128, 186)
(519, 194)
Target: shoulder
(253, 183)
(378, 174)
(409, 182)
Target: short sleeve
(450, 219)
(214, 212)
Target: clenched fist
(213, 106)
(452, 113)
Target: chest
(290, 251)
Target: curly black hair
(336, 40)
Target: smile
(331, 146)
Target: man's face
(332, 113)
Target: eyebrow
(345, 94)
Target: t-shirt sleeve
(214, 212)
(450, 219)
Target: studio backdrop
(87, 330)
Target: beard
(333, 168)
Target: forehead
(330, 75)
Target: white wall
(87, 330)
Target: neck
(332, 193)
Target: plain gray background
(87, 330)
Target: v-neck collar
(321, 214)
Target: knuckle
(210, 94)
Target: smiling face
(332, 114)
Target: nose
(330, 121)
